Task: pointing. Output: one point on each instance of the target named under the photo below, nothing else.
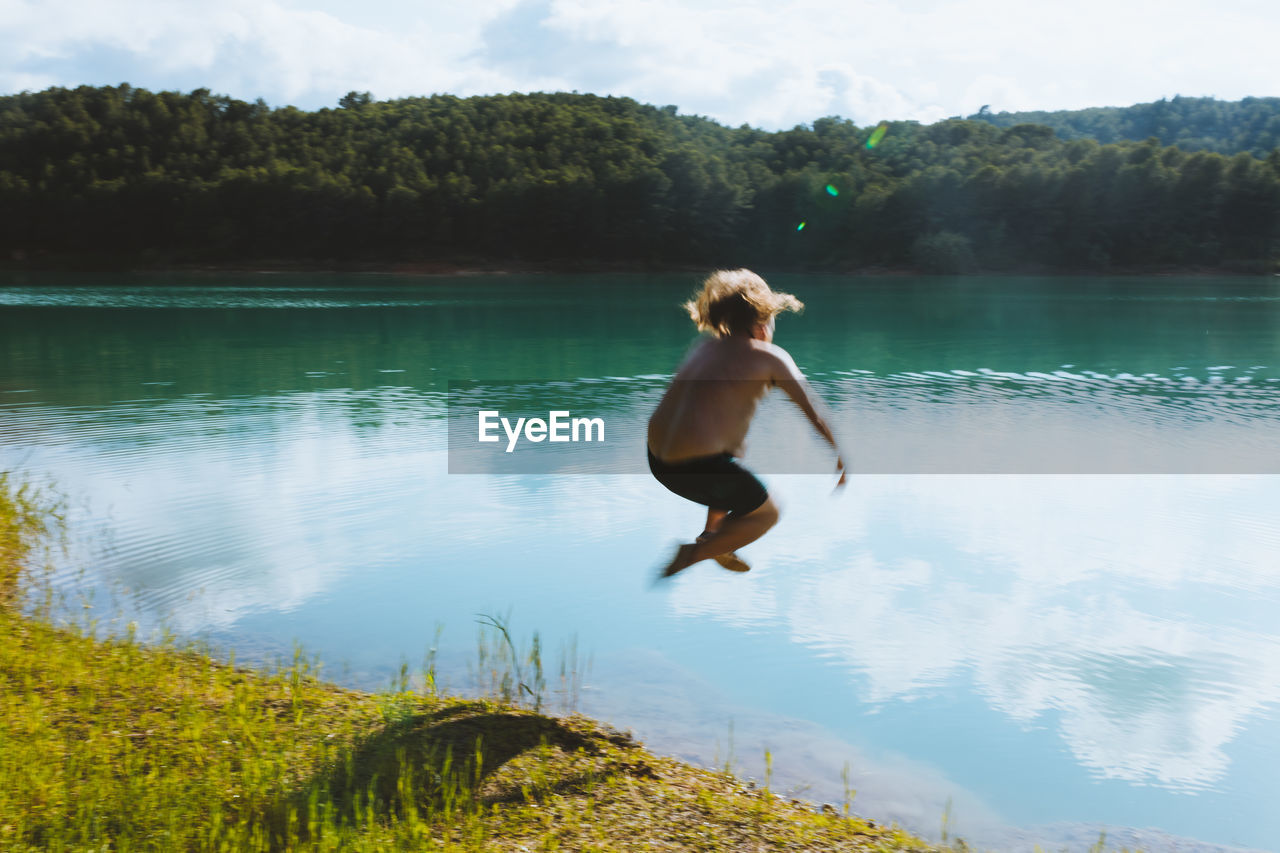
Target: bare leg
(730, 561)
(735, 532)
(715, 517)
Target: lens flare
(878, 134)
(800, 227)
(832, 190)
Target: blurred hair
(733, 302)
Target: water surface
(1084, 637)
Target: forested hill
(1194, 124)
(119, 175)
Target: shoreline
(545, 780)
(109, 742)
(120, 742)
(496, 266)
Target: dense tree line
(1193, 124)
(123, 174)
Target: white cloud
(773, 65)
(241, 48)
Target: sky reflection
(1048, 596)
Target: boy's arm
(788, 377)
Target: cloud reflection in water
(1111, 608)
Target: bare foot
(681, 561)
(730, 561)
(733, 562)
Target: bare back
(708, 408)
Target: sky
(768, 64)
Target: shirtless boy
(701, 423)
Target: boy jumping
(700, 425)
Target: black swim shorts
(715, 481)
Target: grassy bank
(118, 745)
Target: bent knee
(769, 511)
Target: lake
(1047, 603)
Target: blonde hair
(735, 301)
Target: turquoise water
(1048, 595)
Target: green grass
(112, 744)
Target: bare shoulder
(778, 362)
